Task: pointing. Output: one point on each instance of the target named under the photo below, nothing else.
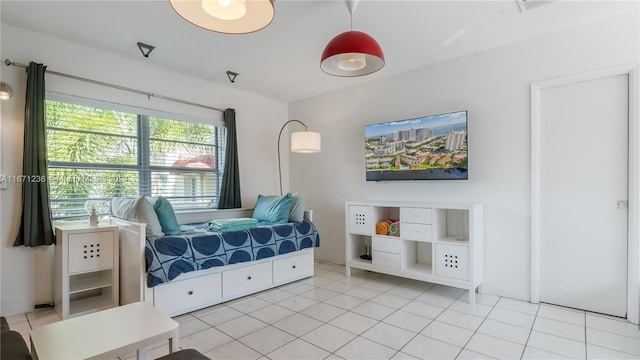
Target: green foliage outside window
(96, 154)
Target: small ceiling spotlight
(232, 76)
(145, 49)
(5, 91)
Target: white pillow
(137, 209)
(298, 204)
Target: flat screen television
(431, 147)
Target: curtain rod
(148, 94)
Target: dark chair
(186, 354)
(12, 345)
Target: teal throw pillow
(273, 209)
(167, 216)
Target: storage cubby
(453, 225)
(439, 243)
(88, 301)
(90, 281)
(357, 247)
(418, 257)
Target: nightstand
(86, 269)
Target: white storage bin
(452, 261)
(90, 251)
(360, 220)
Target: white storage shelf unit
(86, 269)
(438, 243)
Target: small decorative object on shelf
(93, 218)
(367, 253)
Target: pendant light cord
(351, 6)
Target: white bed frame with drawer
(199, 289)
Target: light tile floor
(374, 316)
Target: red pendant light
(226, 16)
(352, 53)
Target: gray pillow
(137, 209)
(298, 204)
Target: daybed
(186, 272)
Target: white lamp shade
(305, 142)
(5, 91)
(226, 16)
(225, 9)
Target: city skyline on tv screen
(431, 147)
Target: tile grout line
(586, 355)
(476, 331)
(296, 312)
(546, 350)
(378, 321)
(381, 321)
(269, 324)
(530, 332)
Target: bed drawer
(293, 268)
(179, 297)
(247, 279)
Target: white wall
(494, 88)
(25, 272)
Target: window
(96, 154)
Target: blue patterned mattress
(169, 256)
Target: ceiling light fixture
(352, 53)
(232, 76)
(5, 91)
(226, 16)
(145, 49)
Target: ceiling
(282, 61)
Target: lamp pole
(279, 136)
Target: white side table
(86, 271)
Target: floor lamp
(305, 142)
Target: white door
(584, 131)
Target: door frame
(633, 211)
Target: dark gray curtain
(35, 220)
(230, 189)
